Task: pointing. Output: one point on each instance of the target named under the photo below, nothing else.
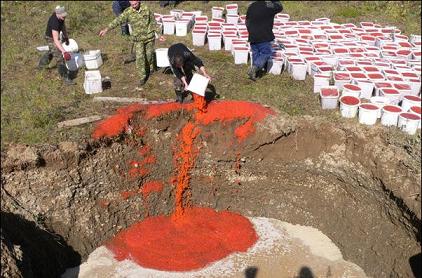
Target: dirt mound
(360, 186)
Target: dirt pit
(360, 186)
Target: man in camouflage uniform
(143, 25)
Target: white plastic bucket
(321, 80)
(368, 113)
(409, 122)
(228, 42)
(72, 47)
(217, 12)
(390, 115)
(351, 90)
(198, 84)
(367, 88)
(415, 85)
(198, 37)
(93, 59)
(168, 27)
(214, 42)
(277, 66)
(162, 57)
(380, 102)
(416, 110)
(232, 19)
(349, 106)
(241, 55)
(298, 71)
(392, 95)
(329, 97)
(409, 101)
(93, 83)
(181, 28)
(231, 9)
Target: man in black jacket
(259, 22)
(183, 62)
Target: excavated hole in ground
(317, 175)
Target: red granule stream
(191, 237)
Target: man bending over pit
(183, 62)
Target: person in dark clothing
(118, 8)
(55, 35)
(259, 22)
(182, 63)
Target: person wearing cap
(54, 57)
(182, 63)
(259, 23)
(144, 29)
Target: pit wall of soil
(359, 186)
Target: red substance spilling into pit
(202, 236)
(191, 237)
(117, 123)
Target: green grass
(33, 102)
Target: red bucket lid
(392, 108)
(412, 98)
(349, 100)
(369, 106)
(410, 116)
(389, 91)
(351, 87)
(329, 92)
(416, 109)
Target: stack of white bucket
(93, 81)
(370, 66)
(228, 31)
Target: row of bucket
(407, 115)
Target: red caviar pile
(191, 237)
(202, 236)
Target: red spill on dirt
(191, 237)
(202, 236)
(149, 187)
(117, 123)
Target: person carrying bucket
(182, 63)
(144, 29)
(259, 22)
(56, 53)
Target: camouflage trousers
(145, 61)
(53, 57)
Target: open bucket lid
(72, 47)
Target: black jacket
(260, 20)
(189, 60)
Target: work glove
(67, 56)
(66, 41)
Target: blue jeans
(117, 10)
(261, 54)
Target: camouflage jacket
(142, 22)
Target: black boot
(45, 61)
(179, 96)
(252, 73)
